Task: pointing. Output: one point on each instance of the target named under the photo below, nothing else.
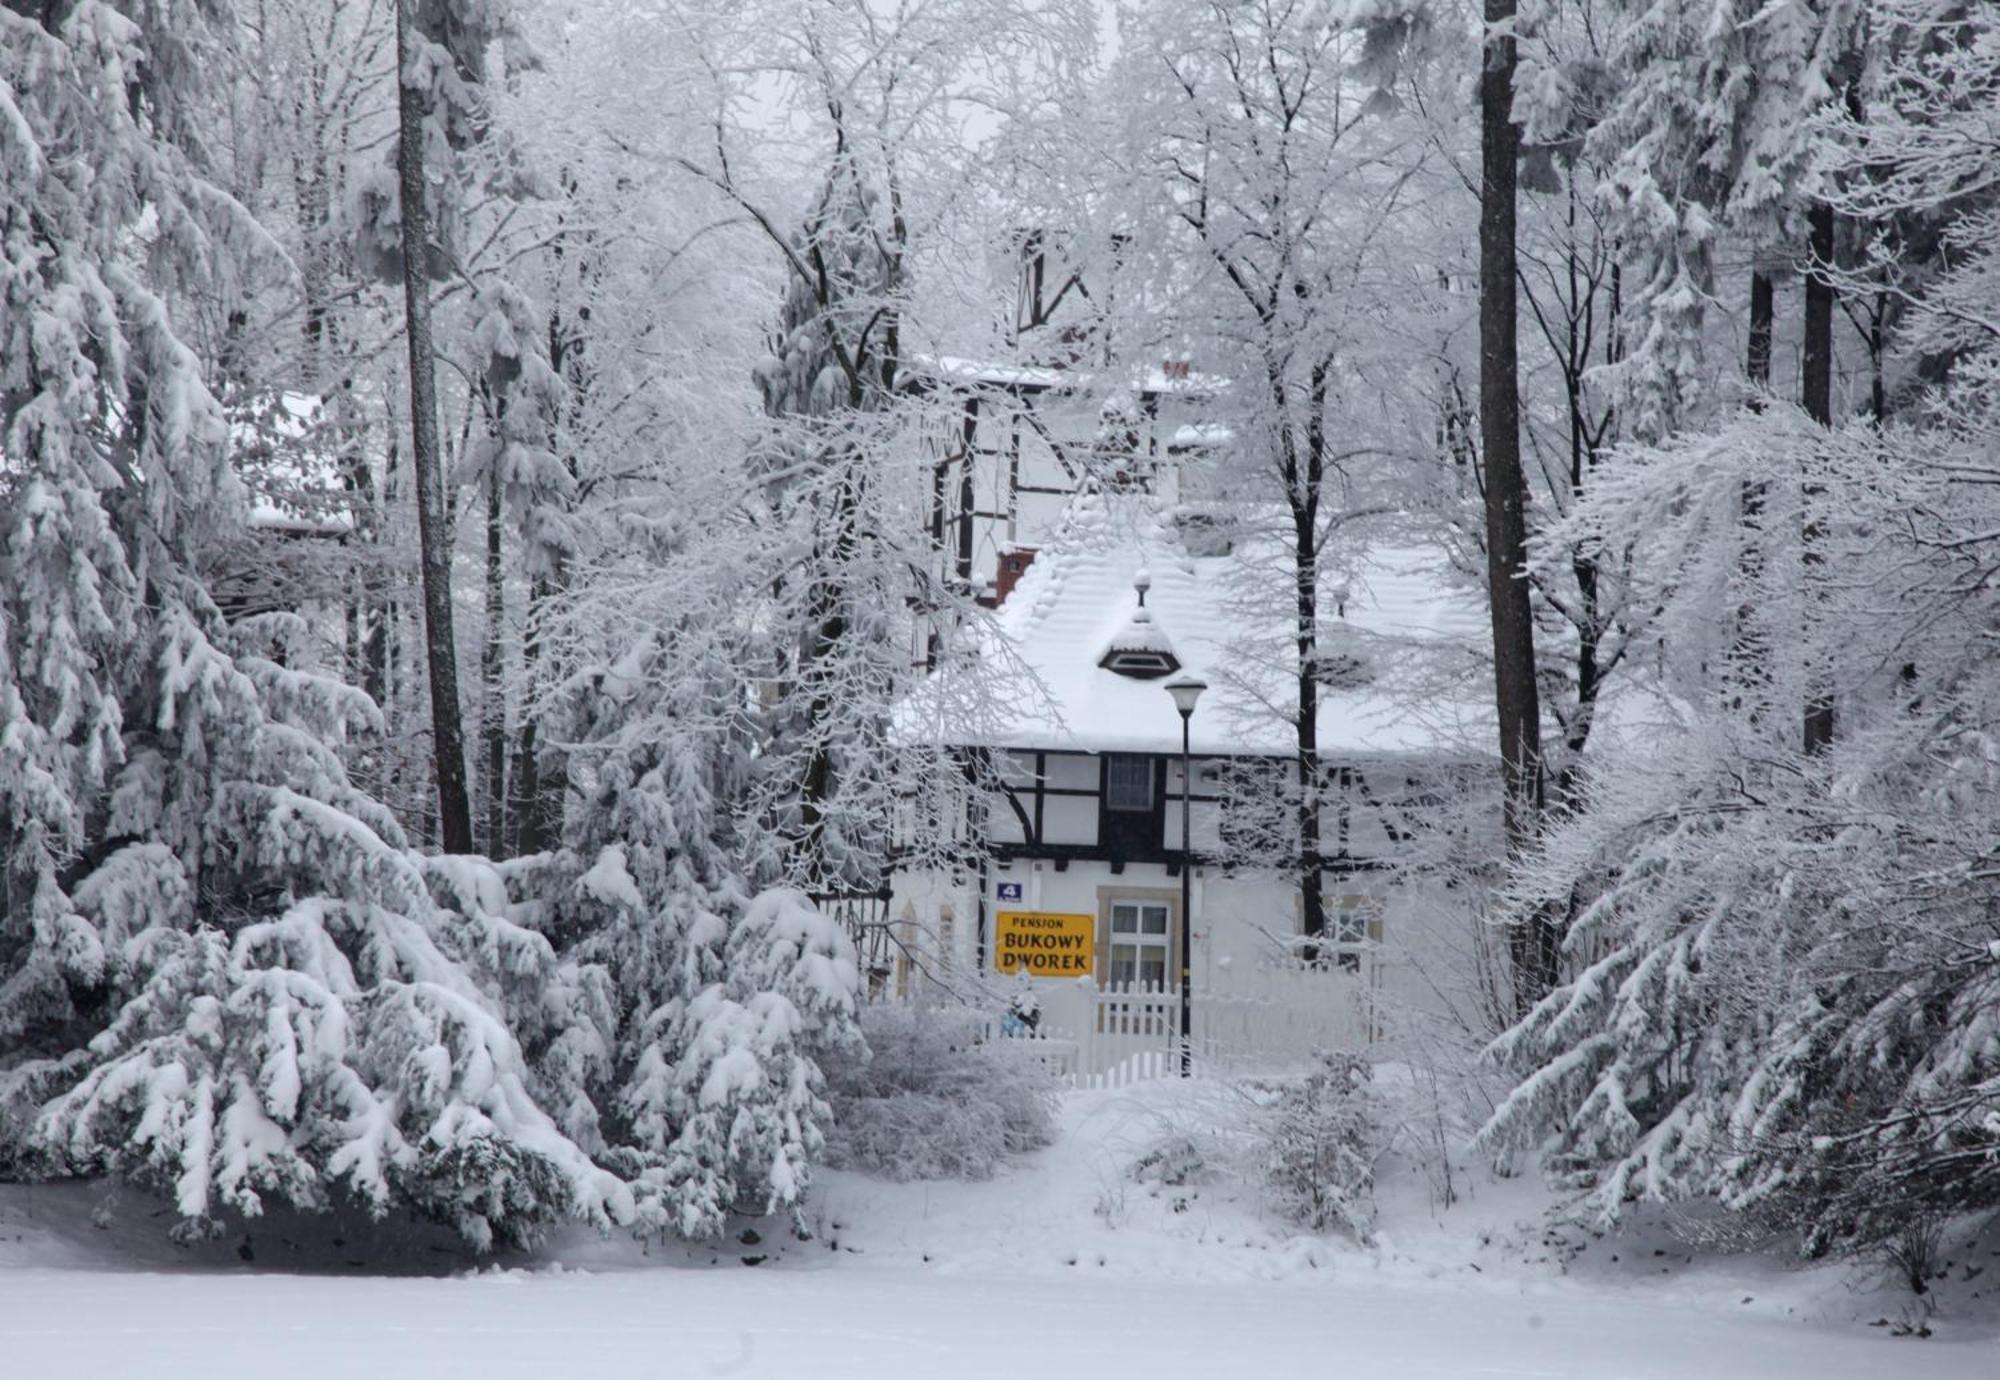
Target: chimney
(1014, 563)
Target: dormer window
(1140, 665)
(1141, 650)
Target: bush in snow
(938, 1098)
(343, 1043)
(726, 1102)
(1320, 1141)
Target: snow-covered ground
(1065, 1267)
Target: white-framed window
(1139, 944)
(1354, 923)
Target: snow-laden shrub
(727, 1099)
(938, 1098)
(345, 1044)
(1320, 1143)
(1176, 1160)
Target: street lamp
(1186, 690)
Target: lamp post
(1186, 690)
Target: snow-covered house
(1056, 495)
(1081, 762)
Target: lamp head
(1186, 690)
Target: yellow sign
(1044, 943)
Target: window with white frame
(1355, 927)
(1139, 944)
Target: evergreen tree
(220, 968)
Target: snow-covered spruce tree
(1787, 969)
(726, 1007)
(730, 1078)
(1701, 118)
(893, 106)
(220, 970)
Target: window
(1139, 945)
(1128, 783)
(1356, 927)
(1141, 665)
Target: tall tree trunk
(1816, 394)
(492, 665)
(1312, 880)
(1305, 484)
(1534, 942)
(433, 528)
(536, 813)
(1757, 361)
(826, 605)
(1752, 650)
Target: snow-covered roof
(953, 369)
(999, 374)
(1201, 435)
(1404, 633)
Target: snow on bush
(1319, 1143)
(939, 1098)
(343, 1043)
(727, 1099)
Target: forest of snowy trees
(462, 543)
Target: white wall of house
(1411, 955)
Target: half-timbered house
(1081, 815)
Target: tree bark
(433, 528)
(1757, 363)
(1752, 650)
(492, 665)
(1305, 489)
(537, 803)
(1534, 942)
(1816, 383)
(1816, 394)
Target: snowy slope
(1065, 1267)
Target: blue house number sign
(1010, 891)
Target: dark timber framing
(1019, 780)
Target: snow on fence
(1248, 1016)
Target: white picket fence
(1258, 1016)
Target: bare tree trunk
(1757, 362)
(492, 665)
(1752, 650)
(1312, 898)
(1816, 393)
(537, 801)
(1304, 487)
(433, 529)
(1534, 943)
(826, 604)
